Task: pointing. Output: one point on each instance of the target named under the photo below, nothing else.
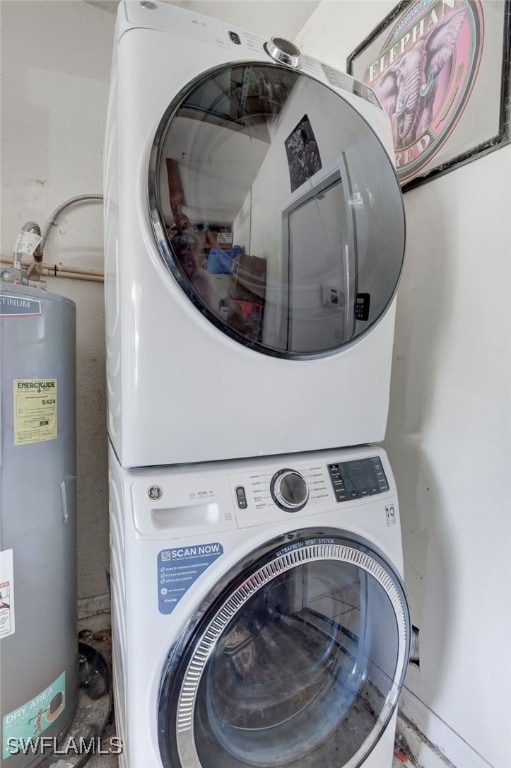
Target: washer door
(277, 209)
(298, 661)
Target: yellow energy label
(35, 410)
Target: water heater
(38, 637)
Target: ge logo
(155, 492)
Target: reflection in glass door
(253, 228)
(299, 662)
(322, 266)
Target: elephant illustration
(408, 89)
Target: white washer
(259, 616)
(254, 241)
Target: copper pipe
(74, 276)
(54, 270)
(74, 270)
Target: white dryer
(254, 241)
(259, 617)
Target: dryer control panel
(357, 479)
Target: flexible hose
(54, 216)
(33, 226)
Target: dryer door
(298, 661)
(277, 209)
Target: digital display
(356, 479)
(359, 475)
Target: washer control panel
(188, 501)
(308, 484)
(290, 489)
(357, 479)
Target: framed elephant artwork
(441, 71)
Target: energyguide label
(35, 410)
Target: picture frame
(302, 152)
(441, 71)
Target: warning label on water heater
(35, 410)
(23, 726)
(6, 594)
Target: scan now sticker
(179, 568)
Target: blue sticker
(179, 568)
(18, 306)
(22, 726)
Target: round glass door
(299, 661)
(277, 210)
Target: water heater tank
(38, 637)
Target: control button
(337, 479)
(241, 497)
(235, 38)
(289, 490)
(381, 478)
(362, 304)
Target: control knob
(289, 490)
(283, 51)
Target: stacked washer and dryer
(254, 242)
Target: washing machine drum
(277, 209)
(297, 661)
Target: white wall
(449, 435)
(55, 70)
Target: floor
(96, 633)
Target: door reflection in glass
(322, 265)
(276, 267)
